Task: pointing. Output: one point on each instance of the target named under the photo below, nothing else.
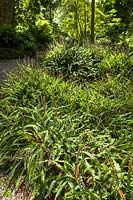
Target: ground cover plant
(64, 140)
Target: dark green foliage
(66, 141)
(24, 39)
(6, 37)
(20, 40)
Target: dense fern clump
(67, 141)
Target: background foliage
(46, 20)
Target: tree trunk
(50, 11)
(85, 18)
(6, 12)
(93, 22)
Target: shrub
(87, 63)
(66, 142)
(6, 37)
(73, 62)
(24, 39)
(42, 31)
(17, 39)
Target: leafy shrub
(42, 31)
(24, 39)
(74, 62)
(17, 39)
(65, 142)
(6, 37)
(87, 63)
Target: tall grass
(67, 141)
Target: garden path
(7, 66)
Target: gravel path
(5, 67)
(9, 193)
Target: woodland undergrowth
(69, 137)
